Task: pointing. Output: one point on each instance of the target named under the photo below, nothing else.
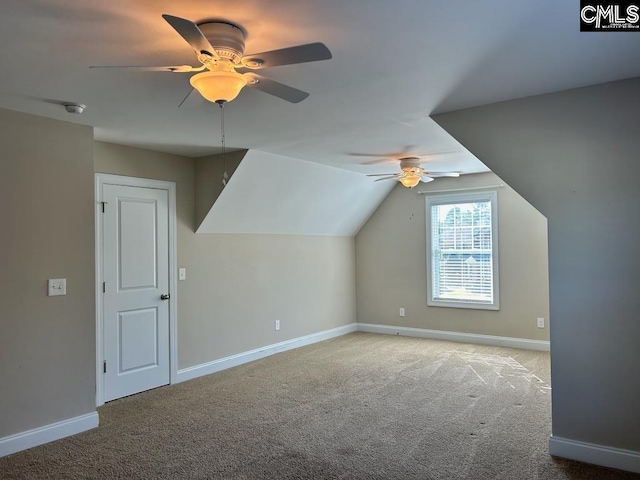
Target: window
(462, 251)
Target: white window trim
(491, 196)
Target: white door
(136, 289)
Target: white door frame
(170, 187)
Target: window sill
(467, 305)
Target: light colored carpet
(361, 406)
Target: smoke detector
(74, 107)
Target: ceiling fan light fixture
(410, 180)
(218, 86)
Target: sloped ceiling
(274, 194)
(394, 64)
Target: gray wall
(47, 344)
(238, 285)
(574, 156)
(391, 265)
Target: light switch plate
(57, 286)
(182, 274)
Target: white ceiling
(267, 194)
(394, 63)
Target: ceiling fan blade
(390, 157)
(311, 52)
(426, 179)
(175, 69)
(368, 155)
(386, 178)
(192, 34)
(382, 156)
(382, 174)
(443, 174)
(427, 156)
(379, 161)
(277, 89)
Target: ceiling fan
(219, 47)
(412, 173)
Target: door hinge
(104, 287)
(104, 367)
(103, 204)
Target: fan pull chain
(225, 175)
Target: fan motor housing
(409, 163)
(226, 38)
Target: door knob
(165, 296)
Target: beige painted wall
(238, 285)
(391, 266)
(47, 344)
(574, 155)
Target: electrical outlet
(540, 322)
(402, 311)
(277, 324)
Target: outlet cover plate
(57, 286)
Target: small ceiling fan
(412, 173)
(219, 47)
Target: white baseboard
(251, 355)
(597, 454)
(48, 433)
(455, 336)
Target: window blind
(462, 263)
